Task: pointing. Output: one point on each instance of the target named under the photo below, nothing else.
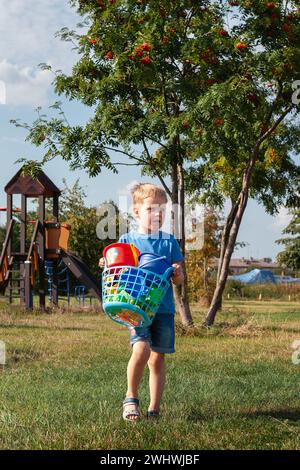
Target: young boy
(150, 344)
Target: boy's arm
(177, 262)
(178, 276)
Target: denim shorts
(160, 334)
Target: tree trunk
(178, 197)
(185, 311)
(235, 217)
(205, 283)
(225, 235)
(217, 298)
(174, 189)
(228, 241)
(224, 241)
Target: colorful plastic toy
(153, 262)
(139, 294)
(121, 254)
(155, 295)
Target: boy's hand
(177, 277)
(101, 263)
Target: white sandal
(127, 413)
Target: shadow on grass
(238, 327)
(279, 414)
(41, 327)
(290, 415)
(23, 355)
(196, 415)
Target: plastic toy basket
(131, 295)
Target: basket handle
(151, 261)
(168, 273)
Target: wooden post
(55, 263)
(55, 282)
(55, 208)
(23, 231)
(28, 296)
(23, 223)
(9, 207)
(41, 241)
(9, 217)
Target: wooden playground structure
(49, 241)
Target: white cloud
(281, 220)
(27, 31)
(25, 85)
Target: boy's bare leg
(157, 379)
(140, 355)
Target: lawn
(231, 387)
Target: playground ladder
(16, 286)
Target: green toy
(123, 296)
(155, 295)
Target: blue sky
(27, 39)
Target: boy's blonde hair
(141, 191)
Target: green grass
(231, 387)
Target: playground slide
(4, 275)
(82, 273)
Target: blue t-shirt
(163, 244)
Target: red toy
(121, 254)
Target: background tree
(290, 256)
(84, 220)
(203, 87)
(246, 142)
(136, 70)
(201, 263)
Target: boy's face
(151, 214)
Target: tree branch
(156, 141)
(123, 152)
(276, 124)
(150, 162)
(124, 164)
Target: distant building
(240, 265)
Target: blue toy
(155, 263)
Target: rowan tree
(199, 91)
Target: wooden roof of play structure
(30, 187)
